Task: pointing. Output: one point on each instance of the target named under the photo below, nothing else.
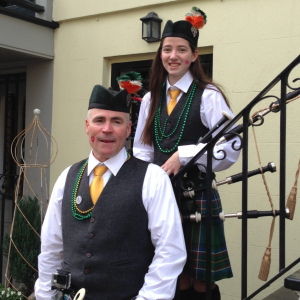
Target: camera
(61, 280)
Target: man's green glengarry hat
(108, 99)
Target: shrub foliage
(27, 242)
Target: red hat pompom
(196, 21)
(131, 88)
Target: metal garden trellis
(40, 161)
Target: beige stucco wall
(251, 42)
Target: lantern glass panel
(146, 29)
(155, 29)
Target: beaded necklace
(159, 133)
(77, 213)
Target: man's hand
(172, 165)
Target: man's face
(107, 131)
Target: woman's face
(176, 56)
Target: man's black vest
(194, 128)
(109, 253)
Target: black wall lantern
(151, 27)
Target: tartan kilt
(195, 240)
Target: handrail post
(208, 221)
(245, 205)
(282, 177)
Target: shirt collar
(114, 164)
(183, 83)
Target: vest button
(88, 255)
(86, 271)
(92, 220)
(168, 123)
(91, 235)
(168, 138)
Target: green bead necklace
(159, 133)
(77, 213)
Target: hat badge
(194, 31)
(128, 99)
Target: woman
(182, 105)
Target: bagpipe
(226, 131)
(188, 191)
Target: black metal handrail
(244, 115)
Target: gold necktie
(174, 94)
(97, 185)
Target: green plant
(9, 294)
(27, 242)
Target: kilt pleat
(195, 239)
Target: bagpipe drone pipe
(185, 190)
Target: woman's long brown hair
(158, 76)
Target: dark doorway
(12, 121)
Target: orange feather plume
(196, 21)
(129, 87)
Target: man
(128, 241)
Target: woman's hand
(172, 165)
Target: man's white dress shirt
(163, 222)
(212, 105)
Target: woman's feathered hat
(108, 99)
(188, 29)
